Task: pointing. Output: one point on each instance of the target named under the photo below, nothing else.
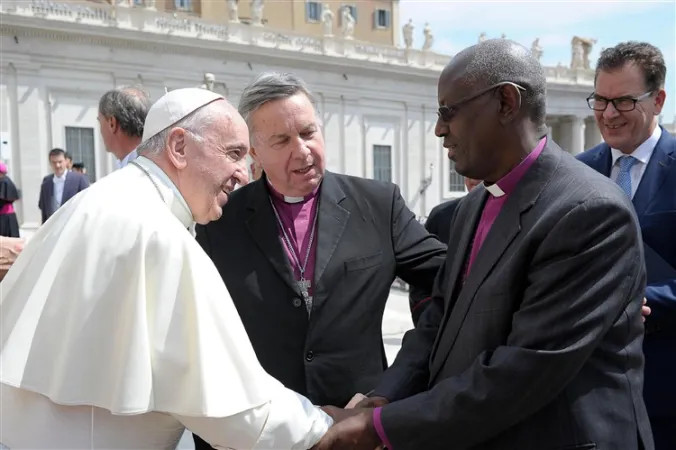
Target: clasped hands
(353, 427)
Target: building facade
(377, 101)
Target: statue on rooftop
(327, 19)
(536, 50)
(407, 31)
(233, 15)
(347, 22)
(429, 38)
(257, 13)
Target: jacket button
(309, 356)
(297, 302)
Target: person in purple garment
(532, 339)
(309, 256)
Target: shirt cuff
(378, 425)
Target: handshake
(353, 427)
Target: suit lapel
(501, 235)
(655, 173)
(49, 194)
(331, 224)
(461, 243)
(602, 161)
(262, 226)
(68, 188)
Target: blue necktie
(624, 178)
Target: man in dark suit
(640, 156)
(533, 337)
(309, 256)
(60, 186)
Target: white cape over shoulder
(113, 304)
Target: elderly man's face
(288, 144)
(626, 130)
(466, 123)
(213, 167)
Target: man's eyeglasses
(446, 113)
(622, 104)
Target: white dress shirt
(59, 183)
(642, 154)
(127, 159)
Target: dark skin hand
(353, 430)
(372, 402)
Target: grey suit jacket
(75, 182)
(541, 347)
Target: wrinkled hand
(645, 310)
(10, 248)
(352, 430)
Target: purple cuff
(378, 425)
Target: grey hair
(496, 60)
(194, 123)
(129, 105)
(269, 86)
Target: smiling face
(209, 168)
(626, 130)
(288, 144)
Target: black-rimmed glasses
(447, 112)
(622, 104)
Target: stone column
(577, 135)
(592, 134)
(29, 131)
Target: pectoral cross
(304, 286)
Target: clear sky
(457, 24)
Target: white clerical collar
(170, 192)
(494, 190)
(288, 199)
(644, 151)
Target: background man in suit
(640, 156)
(533, 337)
(60, 186)
(122, 113)
(439, 221)
(309, 256)
(439, 224)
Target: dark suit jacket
(439, 224)
(540, 348)
(75, 182)
(366, 237)
(655, 203)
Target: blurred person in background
(9, 225)
(60, 186)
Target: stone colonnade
(574, 134)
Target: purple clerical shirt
(297, 219)
(498, 195)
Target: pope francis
(117, 332)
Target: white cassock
(118, 332)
